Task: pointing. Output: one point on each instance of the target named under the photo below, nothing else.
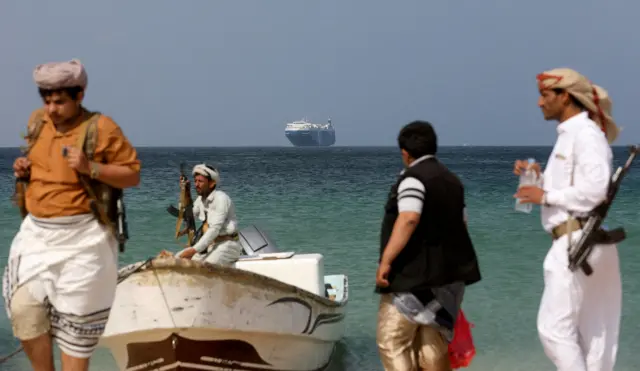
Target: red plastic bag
(461, 348)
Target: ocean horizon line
(343, 146)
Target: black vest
(440, 250)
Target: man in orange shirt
(61, 277)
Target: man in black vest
(426, 258)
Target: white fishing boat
(272, 311)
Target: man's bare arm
(403, 228)
(117, 176)
(122, 166)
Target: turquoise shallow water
(329, 200)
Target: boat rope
(7, 357)
(164, 297)
(129, 270)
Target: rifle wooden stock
(185, 212)
(180, 212)
(19, 196)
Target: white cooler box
(305, 271)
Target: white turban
(58, 75)
(207, 171)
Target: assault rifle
(184, 212)
(592, 233)
(122, 228)
(187, 217)
(19, 195)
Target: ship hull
(311, 138)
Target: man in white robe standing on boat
(579, 314)
(61, 276)
(219, 243)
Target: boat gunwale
(236, 274)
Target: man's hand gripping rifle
(184, 212)
(592, 233)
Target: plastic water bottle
(528, 177)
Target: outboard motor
(255, 241)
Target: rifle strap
(88, 136)
(91, 136)
(34, 127)
(86, 140)
(571, 218)
(87, 143)
(181, 207)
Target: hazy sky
(232, 73)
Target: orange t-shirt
(54, 189)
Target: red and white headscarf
(593, 97)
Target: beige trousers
(67, 270)
(224, 253)
(406, 346)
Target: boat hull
(311, 138)
(197, 349)
(180, 314)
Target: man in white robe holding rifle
(579, 315)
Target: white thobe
(220, 214)
(579, 315)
